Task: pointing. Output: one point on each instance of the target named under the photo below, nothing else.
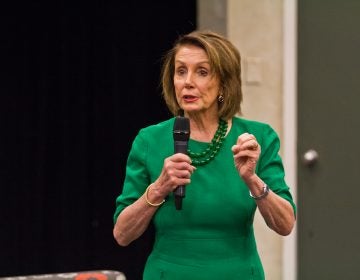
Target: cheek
(211, 91)
(208, 85)
(179, 86)
(177, 82)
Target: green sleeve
(136, 178)
(270, 167)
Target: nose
(188, 80)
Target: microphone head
(181, 131)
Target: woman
(232, 168)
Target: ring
(255, 146)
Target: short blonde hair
(225, 62)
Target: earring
(221, 98)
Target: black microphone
(181, 133)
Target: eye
(180, 71)
(203, 72)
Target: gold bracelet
(147, 200)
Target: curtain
(78, 82)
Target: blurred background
(78, 80)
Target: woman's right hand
(176, 171)
(135, 218)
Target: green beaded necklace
(213, 148)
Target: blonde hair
(225, 62)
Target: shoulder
(153, 136)
(158, 128)
(158, 132)
(250, 125)
(262, 131)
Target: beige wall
(255, 27)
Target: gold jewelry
(147, 199)
(255, 146)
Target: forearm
(134, 220)
(276, 211)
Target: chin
(191, 109)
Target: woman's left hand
(246, 154)
(277, 212)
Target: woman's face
(196, 87)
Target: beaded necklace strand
(213, 148)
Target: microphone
(181, 134)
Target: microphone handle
(181, 147)
(179, 192)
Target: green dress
(212, 237)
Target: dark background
(78, 80)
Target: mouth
(190, 98)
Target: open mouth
(190, 98)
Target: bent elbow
(120, 238)
(286, 229)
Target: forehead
(186, 52)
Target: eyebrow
(200, 62)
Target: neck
(203, 129)
(205, 156)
